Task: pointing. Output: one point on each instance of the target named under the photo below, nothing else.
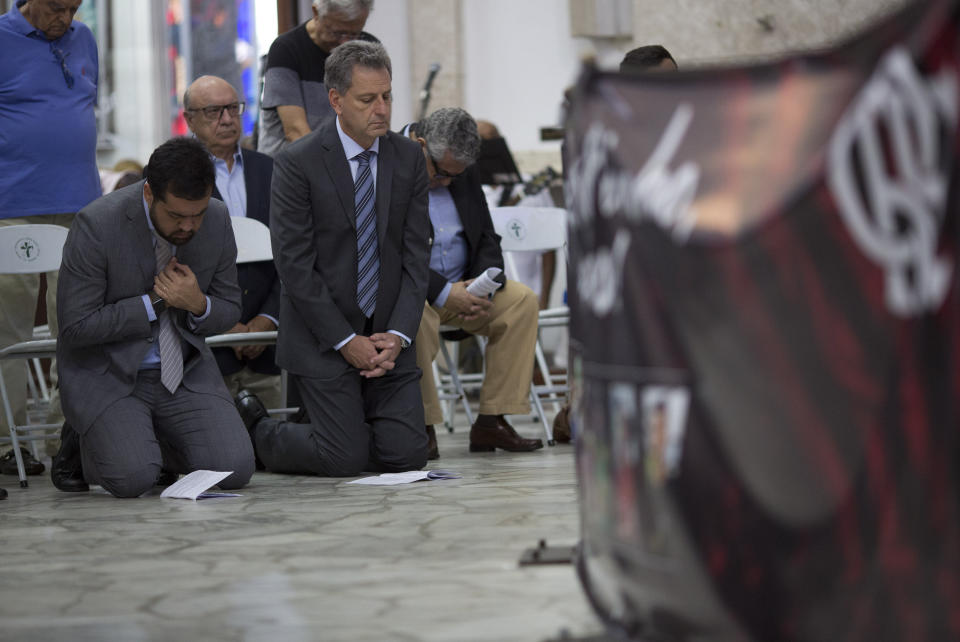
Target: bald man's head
(212, 110)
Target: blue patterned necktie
(368, 259)
(171, 354)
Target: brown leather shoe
(561, 425)
(432, 451)
(484, 438)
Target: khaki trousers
(511, 331)
(18, 302)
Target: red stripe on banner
(847, 363)
(914, 417)
(759, 324)
(845, 360)
(949, 585)
(866, 273)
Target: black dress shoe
(486, 436)
(167, 478)
(251, 411)
(66, 467)
(8, 463)
(432, 451)
(3, 493)
(561, 425)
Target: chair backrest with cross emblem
(31, 248)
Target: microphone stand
(425, 92)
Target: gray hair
(453, 130)
(350, 9)
(338, 68)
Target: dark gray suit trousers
(135, 436)
(356, 425)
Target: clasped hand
(373, 356)
(258, 323)
(177, 285)
(467, 306)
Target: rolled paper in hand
(484, 285)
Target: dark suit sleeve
(223, 290)
(295, 254)
(84, 318)
(271, 306)
(485, 249)
(436, 285)
(415, 265)
(263, 169)
(487, 253)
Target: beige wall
(707, 31)
(442, 42)
(509, 60)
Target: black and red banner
(766, 341)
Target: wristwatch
(159, 305)
(404, 344)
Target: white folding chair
(253, 240)
(537, 229)
(253, 244)
(452, 387)
(28, 249)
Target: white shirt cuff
(345, 341)
(441, 299)
(151, 313)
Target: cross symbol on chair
(516, 228)
(27, 247)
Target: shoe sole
(481, 448)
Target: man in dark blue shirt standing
(48, 169)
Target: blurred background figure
(48, 168)
(294, 97)
(646, 59)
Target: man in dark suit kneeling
(349, 224)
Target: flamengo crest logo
(888, 169)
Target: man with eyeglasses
(294, 100)
(213, 110)
(464, 246)
(48, 165)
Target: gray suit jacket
(313, 225)
(108, 265)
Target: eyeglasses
(62, 59)
(439, 173)
(215, 112)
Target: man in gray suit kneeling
(148, 271)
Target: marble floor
(302, 558)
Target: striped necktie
(171, 354)
(368, 259)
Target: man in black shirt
(294, 97)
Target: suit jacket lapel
(146, 255)
(462, 201)
(385, 162)
(335, 160)
(254, 187)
